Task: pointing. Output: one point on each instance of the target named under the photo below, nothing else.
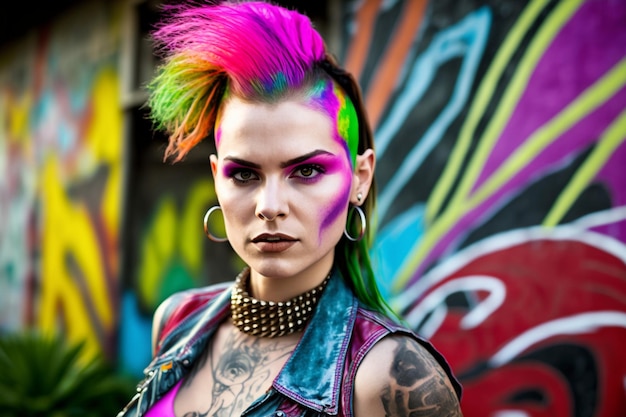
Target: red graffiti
(538, 324)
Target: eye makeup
(337, 206)
(331, 164)
(240, 171)
(323, 163)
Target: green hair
(353, 258)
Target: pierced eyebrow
(285, 164)
(304, 157)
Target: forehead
(290, 125)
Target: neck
(281, 288)
(271, 319)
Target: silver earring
(361, 214)
(359, 197)
(206, 226)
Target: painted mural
(60, 179)
(167, 246)
(500, 129)
(501, 136)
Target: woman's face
(284, 182)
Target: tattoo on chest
(240, 373)
(418, 385)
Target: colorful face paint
(347, 122)
(328, 164)
(292, 170)
(338, 206)
(328, 97)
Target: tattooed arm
(399, 378)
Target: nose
(271, 202)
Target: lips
(273, 242)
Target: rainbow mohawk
(253, 49)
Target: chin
(269, 267)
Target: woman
(303, 331)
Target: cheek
(229, 199)
(339, 200)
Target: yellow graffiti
(586, 103)
(461, 202)
(158, 245)
(610, 140)
(483, 96)
(170, 237)
(68, 232)
(589, 101)
(18, 121)
(104, 142)
(191, 236)
(74, 264)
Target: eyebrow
(285, 164)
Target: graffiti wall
(500, 129)
(166, 248)
(60, 178)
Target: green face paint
(347, 122)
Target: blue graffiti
(466, 39)
(391, 249)
(134, 356)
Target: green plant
(42, 375)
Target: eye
(243, 176)
(308, 172)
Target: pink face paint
(322, 161)
(217, 128)
(240, 171)
(218, 135)
(338, 205)
(327, 97)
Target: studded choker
(269, 318)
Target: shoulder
(400, 377)
(180, 305)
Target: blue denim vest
(318, 378)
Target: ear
(363, 176)
(213, 159)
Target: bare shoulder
(400, 378)
(157, 319)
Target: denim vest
(318, 378)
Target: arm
(399, 378)
(162, 314)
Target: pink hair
(254, 50)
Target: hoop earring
(206, 226)
(361, 214)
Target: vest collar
(312, 375)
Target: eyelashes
(242, 175)
(308, 172)
(304, 173)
